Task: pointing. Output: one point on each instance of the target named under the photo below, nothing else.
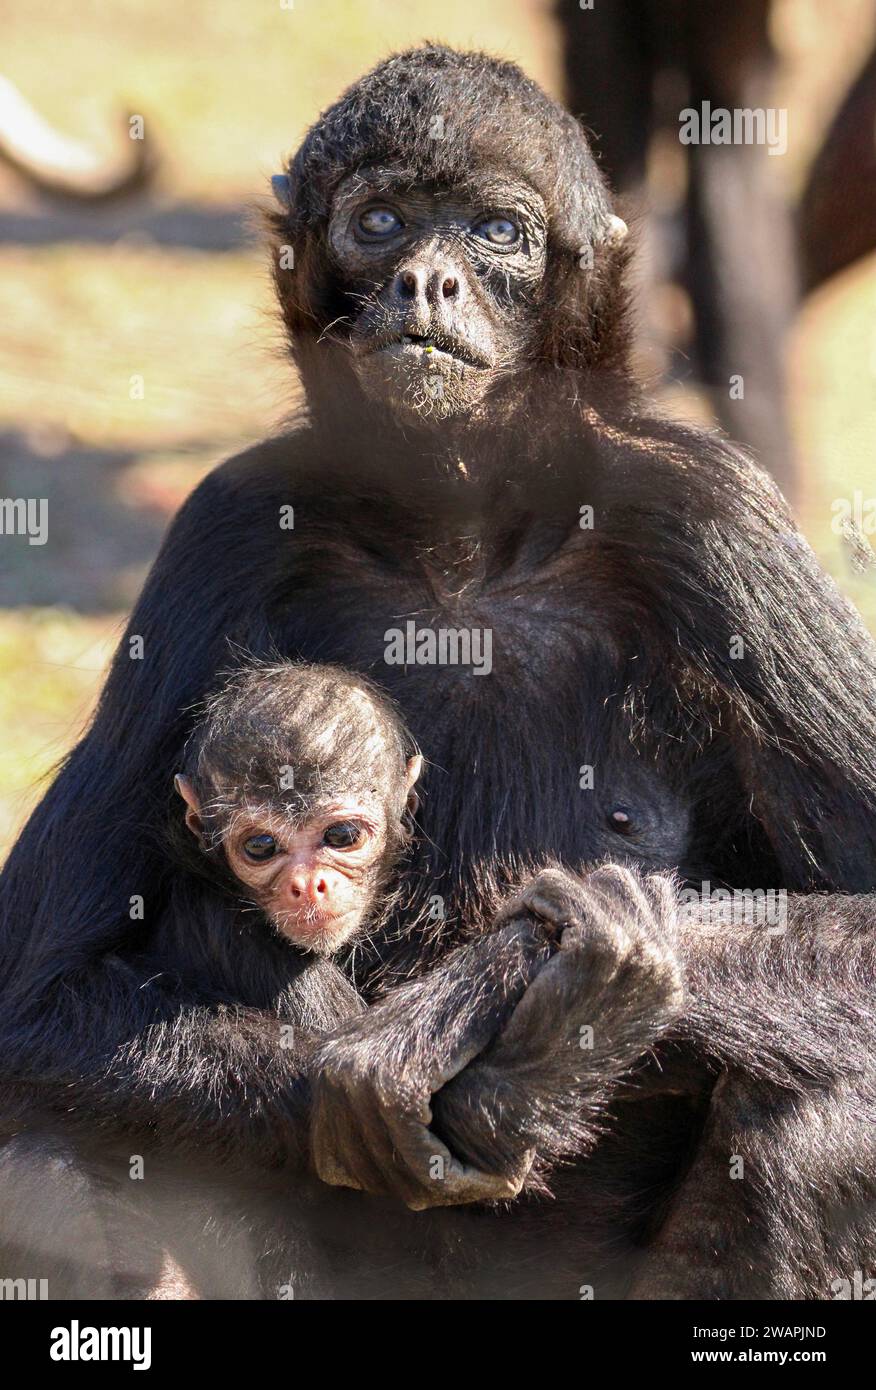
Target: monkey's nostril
(409, 282)
(450, 286)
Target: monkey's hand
(608, 993)
(374, 1078)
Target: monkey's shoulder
(257, 485)
(270, 466)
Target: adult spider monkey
(676, 687)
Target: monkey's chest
(491, 656)
(514, 697)
(446, 623)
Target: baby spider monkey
(299, 789)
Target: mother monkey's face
(448, 240)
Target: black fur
(613, 647)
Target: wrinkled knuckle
(660, 968)
(393, 1092)
(554, 897)
(552, 879)
(616, 876)
(662, 891)
(605, 942)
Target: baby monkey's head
(299, 783)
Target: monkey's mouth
(312, 920)
(315, 930)
(429, 351)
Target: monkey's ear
(616, 230)
(282, 190)
(414, 770)
(193, 805)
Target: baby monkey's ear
(193, 806)
(413, 772)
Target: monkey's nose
(410, 283)
(308, 888)
(426, 282)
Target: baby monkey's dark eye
(260, 847)
(344, 834)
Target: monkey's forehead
(442, 115)
(292, 784)
(292, 810)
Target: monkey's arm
(608, 994)
(115, 1050)
(763, 648)
(789, 1003)
(505, 1056)
(636, 1004)
(375, 1078)
(784, 1025)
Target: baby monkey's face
(315, 875)
(316, 879)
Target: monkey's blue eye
(260, 847)
(344, 834)
(501, 231)
(378, 223)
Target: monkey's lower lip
(325, 925)
(317, 921)
(425, 351)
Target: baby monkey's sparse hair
(299, 781)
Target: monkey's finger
(334, 1174)
(470, 1184)
(443, 1181)
(546, 1015)
(351, 1147)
